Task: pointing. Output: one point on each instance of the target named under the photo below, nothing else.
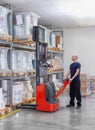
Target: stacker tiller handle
(65, 83)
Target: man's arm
(75, 75)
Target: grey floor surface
(64, 119)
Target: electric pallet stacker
(46, 96)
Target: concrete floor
(64, 119)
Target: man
(74, 73)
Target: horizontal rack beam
(52, 51)
(23, 47)
(2, 42)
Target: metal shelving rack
(60, 73)
(12, 46)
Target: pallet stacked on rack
(4, 109)
(57, 64)
(85, 85)
(23, 28)
(57, 43)
(2, 103)
(22, 63)
(4, 19)
(22, 91)
(92, 83)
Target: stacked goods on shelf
(5, 87)
(17, 68)
(28, 92)
(22, 92)
(56, 43)
(2, 103)
(92, 84)
(4, 22)
(48, 34)
(17, 92)
(53, 40)
(23, 27)
(22, 63)
(4, 69)
(85, 84)
(30, 64)
(56, 63)
(56, 81)
(59, 42)
(4, 98)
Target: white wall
(80, 41)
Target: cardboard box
(58, 39)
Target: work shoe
(69, 105)
(78, 107)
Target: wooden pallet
(15, 105)
(28, 42)
(85, 95)
(31, 73)
(24, 74)
(19, 74)
(2, 112)
(2, 74)
(5, 73)
(56, 49)
(33, 99)
(55, 70)
(93, 92)
(6, 38)
(7, 109)
(29, 100)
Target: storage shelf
(56, 72)
(5, 77)
(52, 51)
(2, 42)
(16, 77)
(22, 77)
(23, 47)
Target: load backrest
(50, 91)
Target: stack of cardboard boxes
(85, 85)
(92, 84)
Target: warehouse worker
(74, 73)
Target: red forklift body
(42, 103)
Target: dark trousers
(75, 93)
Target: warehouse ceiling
(58, 13)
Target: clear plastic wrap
(4, 68)
(25, 29)
(17, 93)
(4, 12)
(19, 31)
(57, 64)
(28, 90)
(3, 58)
(30, 62)
(53, 40)
(17, 63)
(2, 102)
(5, 84)
(22, 63)
(48, 37)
